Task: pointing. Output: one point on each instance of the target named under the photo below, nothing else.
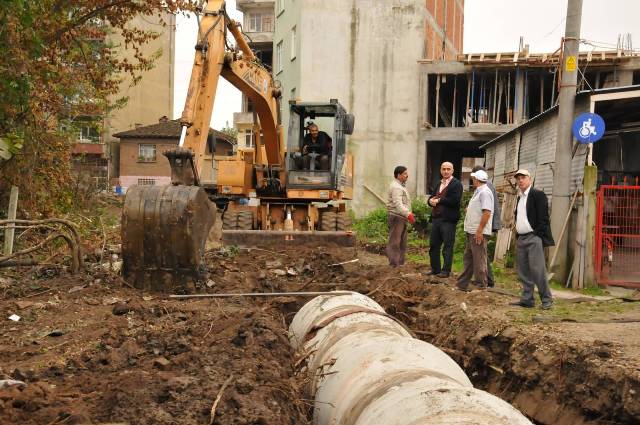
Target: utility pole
(564, 139)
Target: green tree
(57, 63)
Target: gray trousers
(532, 269)
(475, 262)
(397, 244)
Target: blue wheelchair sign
(588, 128)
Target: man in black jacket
(533, 233)
(445, 201)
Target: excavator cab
(317, 161)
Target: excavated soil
(92, 350)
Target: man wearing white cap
(477, 229)
(533, 233)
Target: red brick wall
(436, 28)
(129, 165)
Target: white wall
(365, 53)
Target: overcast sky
(489, 26)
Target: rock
(12, 383)
(76, 289)
(210, 283)
(91, 301)
(273, 264)
(116, 266)
(279, 272)
(292, 272)
(112, 301)
(300, 265)
(244, 386)
(24, 304)
(162, 363)
(181, 316)
(14, 318)
(121, 308)
(55, 333)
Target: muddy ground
(92, 350)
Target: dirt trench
(122, 356)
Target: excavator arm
(243, 71)
(164, 228)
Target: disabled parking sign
(588, 128)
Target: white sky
(228, 98)
(489, 26)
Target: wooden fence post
(11, 215)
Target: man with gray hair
(477, 229)
(533, 234)
(496, 223)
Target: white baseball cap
(480, 175)
(522, 172)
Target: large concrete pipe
(366, 369)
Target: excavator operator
(316, 149)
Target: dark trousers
(442, 233)
(397, 244)
(490, 279)
(475, 262)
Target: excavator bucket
(164, 230)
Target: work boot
(521, 304)
(443, 274)
(547, 306)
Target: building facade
(150, 97)
(444, 29)
(259, 25)
(364, 53)
(141, 153)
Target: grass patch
(579, 312)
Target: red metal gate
(617, 245)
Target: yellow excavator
(271, 194)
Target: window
(248, 139)
(89, 133)
(146, 153)
(293, 43)
(255, 22)
(146, 182)
(279, 57)
(260, 22)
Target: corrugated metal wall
(536, 153)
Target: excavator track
(164, 231)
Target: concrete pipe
(366, 369)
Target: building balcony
(242, 119)
(244, 5)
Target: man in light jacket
(399, 212)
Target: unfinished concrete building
(467, 102)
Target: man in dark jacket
(445, 201)
(533, 233)
(496, 224)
